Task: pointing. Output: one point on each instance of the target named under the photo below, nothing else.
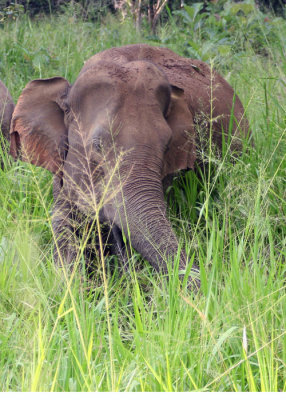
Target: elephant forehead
(120, 76)
(145, 69)
(107, 87)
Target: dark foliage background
(93, 7)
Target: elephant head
(112, 137)
(6, 110)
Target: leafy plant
(11, 12)
(215, 32)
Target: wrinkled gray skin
(6, 111)
(111, 138)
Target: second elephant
(6, 111)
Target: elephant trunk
(144, 214)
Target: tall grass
(136, 331)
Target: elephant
(6, 111)
(130, 121)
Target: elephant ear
(38, 132)
(181, 153)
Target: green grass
(137, 331)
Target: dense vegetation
(137, 331)
(34, 7)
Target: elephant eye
(66, 108)
(167, 147)
(97, 145)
